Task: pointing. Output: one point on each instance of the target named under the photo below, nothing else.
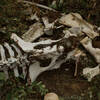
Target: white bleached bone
(3, 56)
(19, 53)
(35, 69)
(29, 47)
(26, 46)
(12, 62)
(75, 20)
(48, 26)
(34, 17)
(74, 31)
(50, 51)
(20, 56)
(12, 59)
(3, 60)
(87, 43)
(90, 73)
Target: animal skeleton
(58, 51)
(33, 53)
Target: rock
(51, 96)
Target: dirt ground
(60, 81)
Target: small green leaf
(2, 76)
(15, 98)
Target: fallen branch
(39, 5)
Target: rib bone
(3, 61)
(12, 59)
(20, 56)
(17, 50)
(3, 57)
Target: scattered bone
(26, 46)
(29, 47)
(76, 30)
(50, 48)
(75, 20)
(17, 50)
(35, 31)
(3, 60)
(90, 73)
(34, 17)
(11, 52)
(48, 26)
(35, 69)
(53, 52)
(87, 43)
(51, 96)
(3, 56)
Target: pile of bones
(28, 54)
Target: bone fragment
(75, 20)
(26, 46)
(90, 73)
(3, 56)
(48, 26)
(34, 17)
(34, 32)
(35, 69)
(17, 50)
(87, 43)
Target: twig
(39, 5)
(76, 67)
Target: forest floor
(13, 18)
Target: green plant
(17, 89)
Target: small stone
(51, 96)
